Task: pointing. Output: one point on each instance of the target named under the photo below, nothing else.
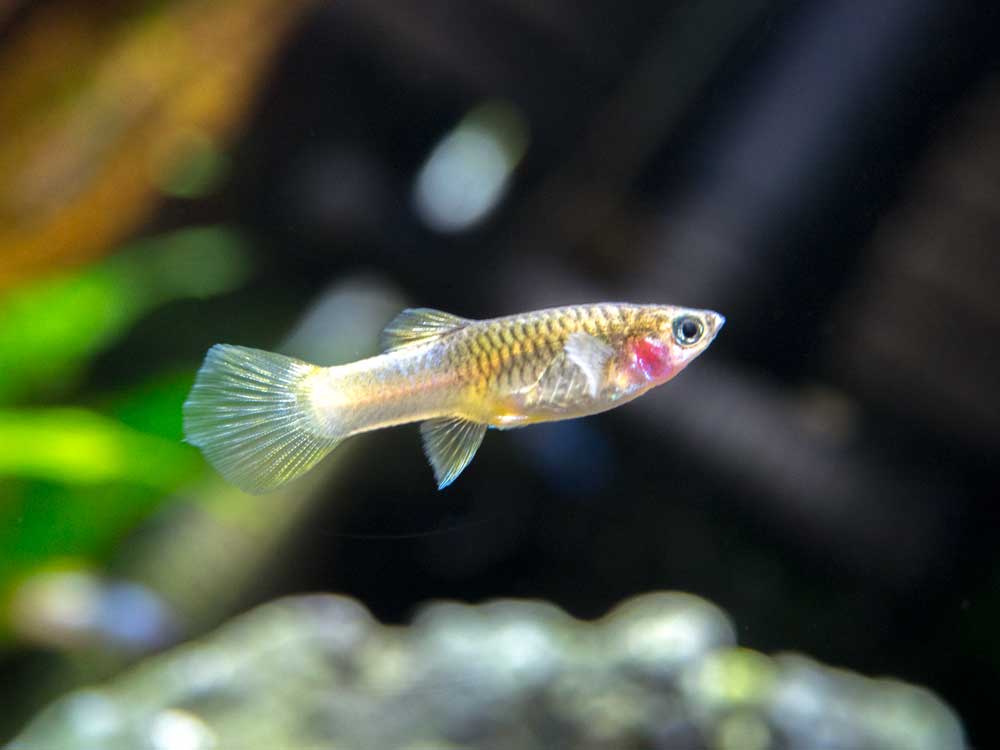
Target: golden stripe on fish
(262, 419)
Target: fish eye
(688, 330)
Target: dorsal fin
(419, 325)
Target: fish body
(262, 418)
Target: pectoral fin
(591, 355)
(449, 444)
(419, 325)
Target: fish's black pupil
(688, 330)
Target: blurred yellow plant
(102, 107)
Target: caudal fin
(249, 412)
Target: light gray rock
(662, 670)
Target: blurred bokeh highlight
(288, 175)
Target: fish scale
(538, 341)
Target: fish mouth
(715, 322)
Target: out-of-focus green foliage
(73, 480)
(50, 328)
(79, 447)
(152, 406)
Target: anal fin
(449, 444)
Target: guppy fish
(262, 419)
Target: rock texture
(662, 670)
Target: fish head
(664, 339)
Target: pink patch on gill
(651, 358)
